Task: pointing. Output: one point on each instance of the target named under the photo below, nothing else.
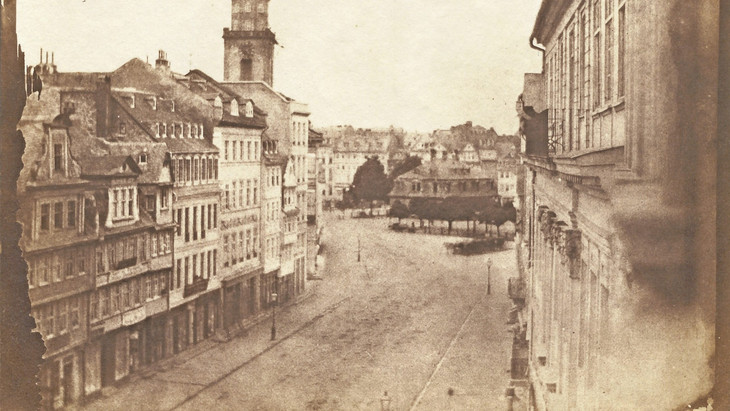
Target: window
(74, 313)
(195, 223)
(228, 197)
(187, 224)
(597, 70)
(69, 268)
(130, 202)
(143, 159)
(225, 251)
(261, 7)
(58, 215)
(608, 71)
(249, 106)
(248, 192)
(58, 157)
(188, 176)
(125, 295)
(247, 6)
(248, 145)
(178, 268)
(179, 221)
(620, 77)
(196, 169)
(122, 128)
(104, 301)
(164, 193)
(45, 216)
(215, 215)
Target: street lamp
(273, 317)
(385, 402)
(489, 275)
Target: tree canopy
(370, 182)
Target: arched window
(249, 109)
(246, 69)
(234, 107)
(218, 102)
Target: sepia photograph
(350, 205)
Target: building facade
(287, 124)
(617, 273)
(440, 179)
(237, 135)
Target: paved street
(409, 318)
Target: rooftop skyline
(425, 68)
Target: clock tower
(249, 43)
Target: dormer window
(195, 131)
(173, 106)
(249, 109)
(234, 107)
(143, 159)
(218, 102)
(201, 131)
(164, 129)
(157, 130)
(122, 127)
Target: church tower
(249, 43)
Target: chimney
(103, 99)
(162, 63)
(468, 124)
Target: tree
(370, 182)
(399, 210)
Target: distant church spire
(249, 43)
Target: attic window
(122, 127)
(143, 158)
(234, 107)
(249, 109)
(218, 102)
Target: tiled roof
(110, 165)
(189, 145)
(446, 170)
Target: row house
(619, 206)
(111, 239)
(272, 212)
(288, 125)
(238, 137)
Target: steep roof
(109, 166)
(446, 170)
(189, 145)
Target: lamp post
(273, 317)
(489, 275)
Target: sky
(416, 64)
